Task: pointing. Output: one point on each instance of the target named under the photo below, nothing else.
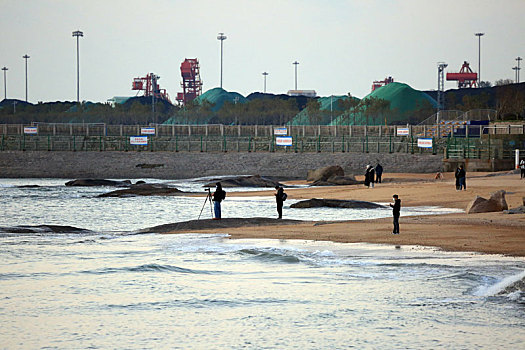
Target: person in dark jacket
(461, 178)
(396, 212)
(367, 176)
(379, 173)
(279, 199)
(218, 197)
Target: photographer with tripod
(218, 196)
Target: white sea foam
(500, 286)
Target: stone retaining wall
(171, 165)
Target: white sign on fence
(147, 131)
(424, 143)
(283, 141)
(403, 131)
(30, 130)
(280, 131)
(138, 140)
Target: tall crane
(191, 81)
(466, 78)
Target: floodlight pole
(5, 69)
(26, 57)
(78, 34)
(295, 64)
(519, 59)
(265, 74)
(221, 37)
(479, 35)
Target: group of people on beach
(373, 175)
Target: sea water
(111, 288)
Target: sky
(342, 46)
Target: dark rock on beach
(43, 229)
(98, 182)
(496, 202)
(323, 174)
(335, 203)
(517, 210)
(28, 186)
(149, 166)
(337, 181)
(245, 181)
(145, 190)
(188, 226)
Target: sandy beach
(493, 233)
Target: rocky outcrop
(496, 202)
(517, 210)
(145, 190)
(335, 203)
(245, 181)
(98, 182)
(323, 174)
(43, 229)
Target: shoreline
(489, 233)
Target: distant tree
(313, 108)
(484, 84)
(502, 82)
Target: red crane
(466, 78)
(378, 83)
(191, 81)
(149, 85)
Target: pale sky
(341, 45)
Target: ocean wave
(148, 268)
(512, 286)
(273, 255)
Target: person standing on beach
(522, 168)
(379, 173)
(218, 197)
(370, 175)
(367, 176)
(280, 197)
(395, 212)
(456, 175)
(462, 178)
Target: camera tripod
(208, 198)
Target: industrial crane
(149, 85)
(191, 81)
(466, 78)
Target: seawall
(173, 165)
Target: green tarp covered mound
(327, 104)
(218, 96)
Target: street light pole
(221, 37)
(295, 63)
(479, 35)
(78, 34)
(519, 59)
(26, 57)
(265, 74)
(5, 84)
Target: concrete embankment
(172, 165)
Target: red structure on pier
(466, 78)
(378, 83)
(149, 85)
(191, 81)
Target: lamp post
(295, 64)
(519, 59)
(26, 57)
(516, 72)
(221, 37)
(78, 34)
(479, 35)
(5, 84)
(265, 74)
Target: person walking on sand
(522, 168)
(395, 213)
(367, 176)
(372, 175)
(379, 173)
(456, 175)
(218, 197)
(280, 197)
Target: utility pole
(78, 34)
(265, 74)
(479, 35)
(5, 84)
(26, 57)
(519, 59)
(221, 37)
(516, 72)
(295, 64)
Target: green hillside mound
(327, 104)
(406, 105)
(218, 96)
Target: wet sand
(495, 233)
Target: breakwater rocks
(179, 165)
(336, 203)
